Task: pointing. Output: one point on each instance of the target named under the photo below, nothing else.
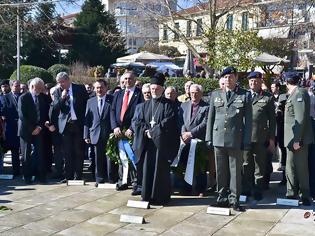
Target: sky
(66, 9)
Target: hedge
(57, 68)
(29, 72)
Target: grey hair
(189, 82)
(146, 86)
(197, 86)
(36, 81)
(172, 88)
(11, 82)
(62, 76)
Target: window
(176, 36)
(188, 29)
(229, 22)
(199, 27)
(165, 35)
(245, 21)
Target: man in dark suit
(194, 115)
(97, 128)
(123, 108)
(32, 116)
(10, 116)
(70, 100)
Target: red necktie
(124, 105)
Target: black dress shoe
(291, 197)
(237, 207)
(258, 196)
(306, 202)
(121, 187)
(63, 181)
(96, 185)
(220, 204)
(136, 192)
(28, 181)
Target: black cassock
(157, 116)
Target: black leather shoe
(96, 185)
(220, 204)
(237, 207)
(121, 187)
(291, 197)
(63, 181)
(306, 202)
(136, 192)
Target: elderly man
(156, 128)
(10, 115)
(186, 96)
(229, 129)
(122, 110)
(194, 114)
(32, 116)
(298, 134)
(263, 135)
(171, 93)
(70, 102)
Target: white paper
(189, 173)
(124, 161)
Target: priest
(157, 139)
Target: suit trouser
(15, 160)
(297, 172)
(311, 164)
(34, 162)
(229, 173)
(73, 145)
(254, 168)
(58, 153)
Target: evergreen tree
(97, 40)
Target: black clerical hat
(5, 82)
(158, 78)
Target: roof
(221, 4)
(70, 16)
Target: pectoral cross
(152, 122)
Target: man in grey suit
(97, 128)
(229, 129)
(298, 134)
(70, 102)
(194, 115)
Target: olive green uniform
(229, 131)
(297, 128)
(263, 129)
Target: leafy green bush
(57, 68)
(30, 72)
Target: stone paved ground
(55, 209)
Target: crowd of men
(232, 134)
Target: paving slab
(288, 229)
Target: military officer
(263, 136)
(297, 136)
(229, 131)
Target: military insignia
(217, 99)
(299, 99)
(262, 101)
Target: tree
(97, 40)
(153, 46)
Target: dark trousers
(16, 161)
(73, 145)
(47, 148)
(58, 153)
(229, 177)
(254, 168)
(34, 163)
(311, 164)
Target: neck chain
(152, 122)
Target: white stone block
(138, 204)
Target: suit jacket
(28, 119)
(196, 125)
(264, 118)
(230, 121)
(62, 106)
(10, 112)
(97, 126)
(136, 99)
(297, 120)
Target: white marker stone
(219, 211)
(75, 182)
(132, 219)
(138, 204)
(287, 202)
(6, 176)
(107, 186)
